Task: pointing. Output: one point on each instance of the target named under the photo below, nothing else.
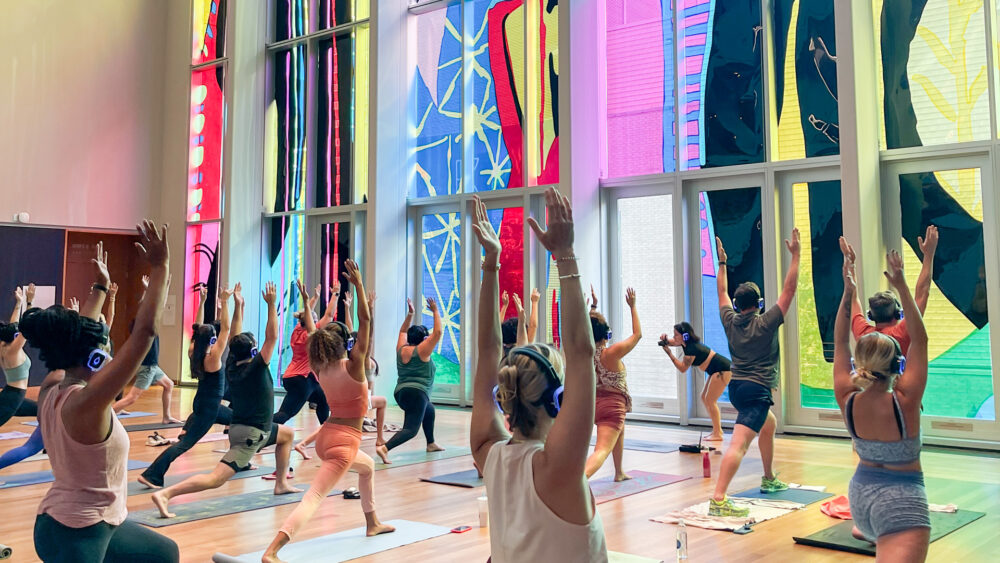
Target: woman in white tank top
(541, 507)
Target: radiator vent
(958, 426)
(831, 416)
(654, 405)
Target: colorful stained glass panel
(208, 29)
(441, 258)
(206, 131)
(201, 269)
(285, 134)
(283, 262)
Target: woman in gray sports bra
(16, 364)
(879, 392)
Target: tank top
(300, 354)
(90, 483)
(19, 373)
(346, 397)
(611, 381)
(897, 452)
(415, 374)
(522, 527)
(698, 350)
(211, 385)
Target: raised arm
(928, 246)
(912, 384)
(504, 304)
(18, 298)
(213, 360)
(681, 365)
(112, 296)
(94, 304)
(307, 311)
(619, 350)
(722, 277)
(533, 315)
(849, 258)
(100, 392)
(371, 329)
(270, 295)
(792, 276)
(330, 314)
(565, 453)
(426, 348)
(842, 385)
(238, 302)
(199, 316)
(20, 341)
(487, 425)
(348, 310)
(407, 321)
(359, 355)
(522, 322)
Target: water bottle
(682, 541)
(706, 465)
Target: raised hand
(18, 294)
(795, 244)
(202, 293)
(335, 287)
(352, 273)
(100, 263)
(630, 297)
(409, 307)
(348, 299)
(850, 283)
(145, 283)
(270, 293)
(30, 293)
(557, 238)
(847, 250)
(225, 293)
(720, 250)
(593, 297)
(505, 299)
(316, 292)
(535, 295)
(371, 300)
(74, 304)
(432, 305)
(928, 243)
(237, 294)
(894, 271)
(113, 291)
(484, 230)
(518, 306)
(152, 243)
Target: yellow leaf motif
(936, 97)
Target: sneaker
(725, 507)
(772, 485)
(156, 440)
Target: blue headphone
(685, 336)
(551, 398)
(760, 303)
(898, 364)
(212, 341)
(345, 334)
(97, 360)
(898, 314)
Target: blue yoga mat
(133, 414)
(347, 545)
(201, 509)
(38, 477)
(802, 496)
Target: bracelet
(570, 258)
(99, 287)
(722, 263)
(569, 276)
(28, 303)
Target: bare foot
(271, 558)
(162, 504)
(273, 476)
(172, 420)
(302, 451)
(714, 438)
(622, 477)
(379, 529)
(858, 535)
(383, 453)
(285, 489)
(434, 448)
(145, 483)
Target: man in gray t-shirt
(753, 341)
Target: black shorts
(752, 402)
(717, 364)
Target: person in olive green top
(415, 377)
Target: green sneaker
(772, 485)
(725, 507)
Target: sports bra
(346, 396)
(19, 373)
(897, 452)
(698, 350)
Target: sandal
(352, 493)
(157, 440)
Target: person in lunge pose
(15, 363)
(753, 341)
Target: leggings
(195, 427)
(417, 411)
(24, 451)
(126, 543)
(13, 403)
(300, 389)
(338, 448)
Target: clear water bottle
(682, 541)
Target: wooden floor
(970, 480)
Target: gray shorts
(148, 375)
(884, 501)
(245, 442)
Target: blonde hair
(522, 381)
(873, 358)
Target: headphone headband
(346, 335)
(898, 363)
(551, 398)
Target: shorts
(148, 375)
(610, 410)
(244, 442)
(752, 402)
(884, 501)
(717, 364)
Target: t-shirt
(300, 353)
(860, 327)
(753, 341)
(415, 374)
(153, 356)
(252, 394)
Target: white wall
(81, 96)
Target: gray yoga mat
(413, 457)
(645, 445)
(839, 537)
(137, 488)
(215, 507)
(469, 479)
(38, 477)
(136, 427)
(606, 489)
(347, 545)
(135, 414)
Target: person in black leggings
(714, 365)
(206, 353)
(16, 364)
(415, 377)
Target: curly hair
(63, 337)
(521, 383)
(326, 346)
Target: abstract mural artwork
(285, 134)
(283, 262)
(208, 29)
(207, 127)
(201, 270)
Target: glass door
(336, 242)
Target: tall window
(315, 148)
(206, 155)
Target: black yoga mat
(839, 537)
(469, 479)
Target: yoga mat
(412, 457)
(839, 537)
(135, 414)
(760, 511)
(469, 479)
(802, 496)
(37, 457)
(135, 427)
(14, 435)
(347, 545)
(645, 445)
(606, 489)
(219, 506)
(214, 437)
(615, 557)
(137, 488)
(38, 477)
